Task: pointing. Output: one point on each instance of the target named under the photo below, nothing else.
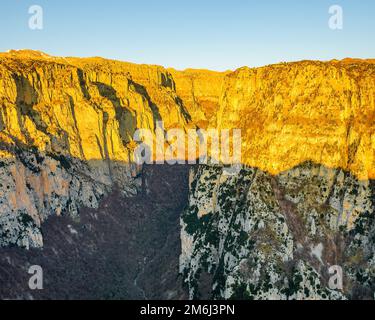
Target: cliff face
(253, 235)
(200, 90)
(296, 112)
(66, 133)
(128, 248)
(303, 202)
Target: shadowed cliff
(128, 248)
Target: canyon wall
(254, 235)
(302, 203)
(294, 112)
(66, 133)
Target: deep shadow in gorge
(127, 249)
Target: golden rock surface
(305, 111)
(289, 113)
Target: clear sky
(212, 34)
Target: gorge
(73, 201)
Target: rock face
(200, 91)
(295, 112)
(303, 202)
(128, 248)
(257, 236)
(66, 134)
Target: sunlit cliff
(67, 124)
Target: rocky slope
(254, 235)
(128, 248)
(303, 202)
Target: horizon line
(44, 54)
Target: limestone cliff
(200, 90)
(257, 236)
(66, 133)
(294, 112)
(303, 201)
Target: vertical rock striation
(66, 134)
(303, 202)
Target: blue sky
(212, 34)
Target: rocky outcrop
(128, 248)
(66, 134)
(257, 236)
(303, 203)
(295, 112)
